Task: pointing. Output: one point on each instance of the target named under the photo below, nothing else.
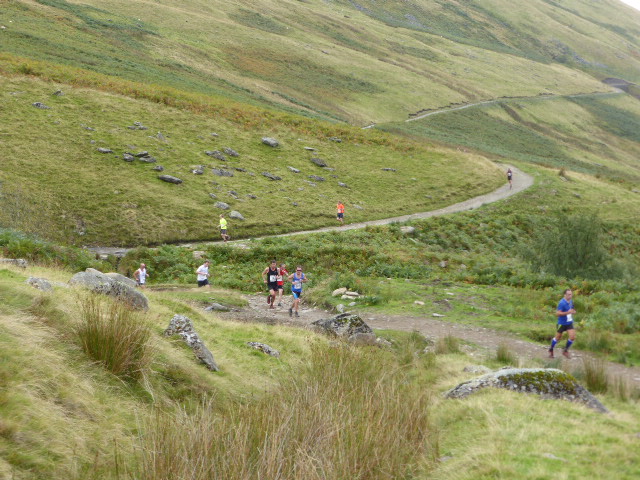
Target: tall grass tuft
(114, 335)
(505, 355)
(595, 375)
(447, 344)
(351, 414)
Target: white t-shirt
(203, 272)
(142, 275)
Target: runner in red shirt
(340, 208)
(281, 278)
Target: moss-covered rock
(546, 382)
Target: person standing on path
(340, 216)
(281, 277)
(297, 278)
(223, 228)
(510, 178)
(564, 313)
(203, 275)
(270, 278)
(140, 275)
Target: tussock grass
(447, 344)
(505, 355)
(347, 415)
(115, 335)
(594, 374)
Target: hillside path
(521, 181)
(485, 340)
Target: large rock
(221, 205)
(122, 279)
(183, 326)
(98, 282)
(347, 326)
(236, 215)
(40, 283)
(546, 382)
(272, 142)
(170, 179)
(319, 162)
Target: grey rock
(319, 162)
(231, 152)
(122, 279)
(546, 382)
(40, 105)
(214, 134)
(161, 137)
(142, 154)
(40, 284)
(170, 179)
(147, 159)
(221, 173)
(340, 308)
(335, 139)
(216, 307)
(183, 326)
(478, 369)
(407, 230)
(294, 204)
(310, 149)
(213, 195)
(234, 194)
(238, 169)
(263, 347)
(199, 170)
(343, 185)
(98, 282)
(443, 264)
(236, 215)
(221, 205)
(127, 157)
(89, 129)
(216, 154)
(252, 196)
(344, 325)
(389, 170)
(272, 142)
(317, 178)
(19, 262)
(294, 170)
(311, 184)
(58, 93)
(271, 176)
(105, 150)
(158, 168)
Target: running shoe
(279, 304)
(297, 314)
(551, 353)
(566, 353)
(269, 300)
(291, 311)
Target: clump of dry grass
(505, 355)
(447, 344)
(351, 414)
(115, 335)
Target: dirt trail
(486, 339)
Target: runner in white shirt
(203, 275)
(140, 275)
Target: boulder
(236, 215)
(345, 325)
(272, 142)
(142, 154)
(271, 176)
(549, 383)
(40, 284)
(170, 179)
(147, 159)
(319, 162)
(127, 157)
(339, 291)
(221, 205)
(265, 348)
(183, 326)
(122, 279)
(98, 282)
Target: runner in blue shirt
(297, 278)
(564, 313)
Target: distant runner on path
(510, 178)
(140, 275)
(340, 217)
(203, 275)
(270, 278)
(564, 313)
(297, 278)
(281, 277)
(223, 228)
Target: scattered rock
(319, 162)
(105, 150)
(271, 176)
(339, 291)
(161, 137)
(231, 152)
(294, 170)
(216, 154)
(158, 168)
(58, 93)
(407, 230)
(310, 149)
(40, 105)
(40, 284)
(236, 215)
(234, 194)
(170, 179)
(389, 170)
(213, 195)
(352, 304)
(316, 178)
(183, 326)
(546, 382)
(311, 184)
(221, 205)
(221, 173)
(199, 170)
(142, 154)
(214, 134)
(551, 456)
(147, 159)
(19, 262)
(238, 169)
(127, 157)
(335, 139)
(347, 326)
(419, 302)
(89, 129)
(263, 347)
(272, 142)
(479, 369)
(216, 307)
(437, 315)
(343, 185)
(577, 195)
(98, 282)
(252, 196)
(340, 308)
(443, 264)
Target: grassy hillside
(354, 61)
(63, 415)
(56, 183)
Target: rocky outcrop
(546, 382)
(183, 326)
(347, 326)
(263, 347)
(40, 284)
(98, 282)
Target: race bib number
(273, 278)
(570, 318)
(297, 285)
(279, 278)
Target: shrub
(114, 335)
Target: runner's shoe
(551, 353)
(279, 304)
(269, 299)
(566, 353)
(291, 311)
(297, 314)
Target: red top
(340, 208)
